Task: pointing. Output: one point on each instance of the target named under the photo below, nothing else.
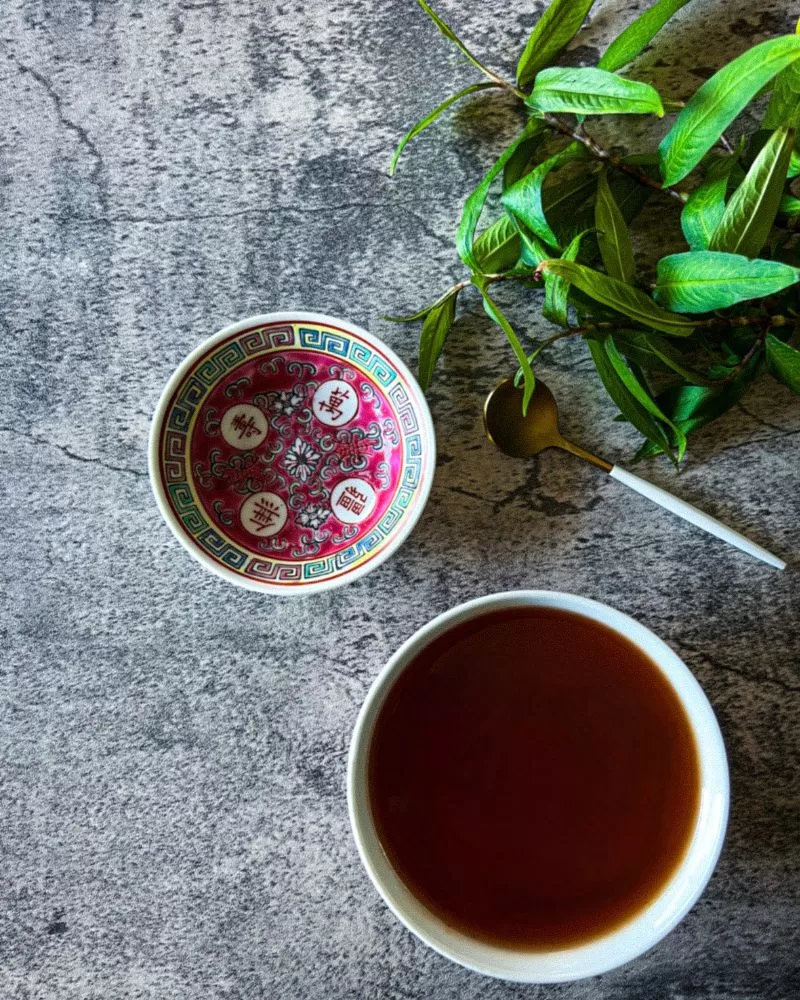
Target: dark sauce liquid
(533, 779)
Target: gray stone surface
(172, 749)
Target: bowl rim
(409, 519)
(647, 927)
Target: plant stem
(756, 346)
(726, 144)
(612, 159)
(581, 330)
(572, 332)
(765, 322)
(495, 77)
(503, 83)
(757, 319)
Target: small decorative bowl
(292, 452)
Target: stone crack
(98, 166)
(74, 455)
(727, 668)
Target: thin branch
(765, 322)
(756, 346)
(757, 319)
(726, 144)
(503, 83)
(448, 33)
(575, 331)
(788, 223)
(612, 159)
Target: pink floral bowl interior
(292, 452)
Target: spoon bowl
(517, 435)
(522, 435)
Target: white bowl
(291, 453)
(647, 927)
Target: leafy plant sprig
(676, 354)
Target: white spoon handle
(695, 516)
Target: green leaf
(448, 33)
(783, 362)
(494, 312)
(590, 91)
(629, 405)
(422, 313)
(634, 346)
(653, 352)
(473, 207)
(720, 99)
(638, 35)
(756, 143)
(750, 213)
(556, 290)
(631, 302)
(521, 160)
(523, 200)
(642, 394)
(562, 202)
(705, 280)
(629, 194)
(533, 250)
(692, 406)
(784, 105)
(497, 248)
(612, 234)
(552, 32)
(703, 211)
(434, 333)
(429, 119)
(789, 206)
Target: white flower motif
(284, 404)
(313, 516)
(301, 460)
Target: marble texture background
(172, 750)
